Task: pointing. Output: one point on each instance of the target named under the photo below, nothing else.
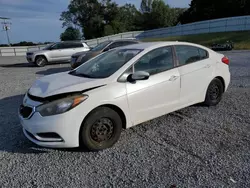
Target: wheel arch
(222, 81)
(111, 106)
(216, 77)
(41, 55)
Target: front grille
(25, 111)
(49, 135)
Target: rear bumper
(227, 80)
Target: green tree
(85, 14)
(212, 9)
(70, 34)
(146, 5)
(157, 16)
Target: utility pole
(6, 27)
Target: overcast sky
(38, 20)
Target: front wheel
(41, 61)
(214, 93)
(101, 129)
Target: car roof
(151, 45)
(125, 39)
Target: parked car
(121, 88)
(56, 52)
(81, 57)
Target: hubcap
(40, 61)
(214, 92)
(102, 130)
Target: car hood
(63, 83)
(80, 53)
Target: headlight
(60, 106)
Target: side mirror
(140, 75)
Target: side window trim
(107, 47)
(174, 60)
(177, 59)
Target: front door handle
(173, 78)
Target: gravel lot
(194, 147)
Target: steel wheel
(102, 130)
(214, 92)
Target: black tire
(97, 133)
(41, 61)
(214, 93)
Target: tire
(101, 129)
(41, 61)
(214, 93)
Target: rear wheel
(101, 129)
(214, 93)
(41, 61)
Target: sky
(38, 20)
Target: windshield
(106, 64)
(49, 46)
(100, 46)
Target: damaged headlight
(60, 106)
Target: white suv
(56, 52)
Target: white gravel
(194, 147)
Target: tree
(156, 14)
(70, 34)
(85, 14)
(212, 9)
(99, 18)
(146, 5)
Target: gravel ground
(194, 147)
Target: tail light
(225, 60)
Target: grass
(241, 39)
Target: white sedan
(118, 89)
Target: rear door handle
(173, 78)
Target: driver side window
(156, 61)
(57, 46)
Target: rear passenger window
(203, 54)
(189, 54)
(75, 45)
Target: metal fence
(241, 23)
(18, 51)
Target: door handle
(207, 66)
(173, 78)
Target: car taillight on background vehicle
(225, 60)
